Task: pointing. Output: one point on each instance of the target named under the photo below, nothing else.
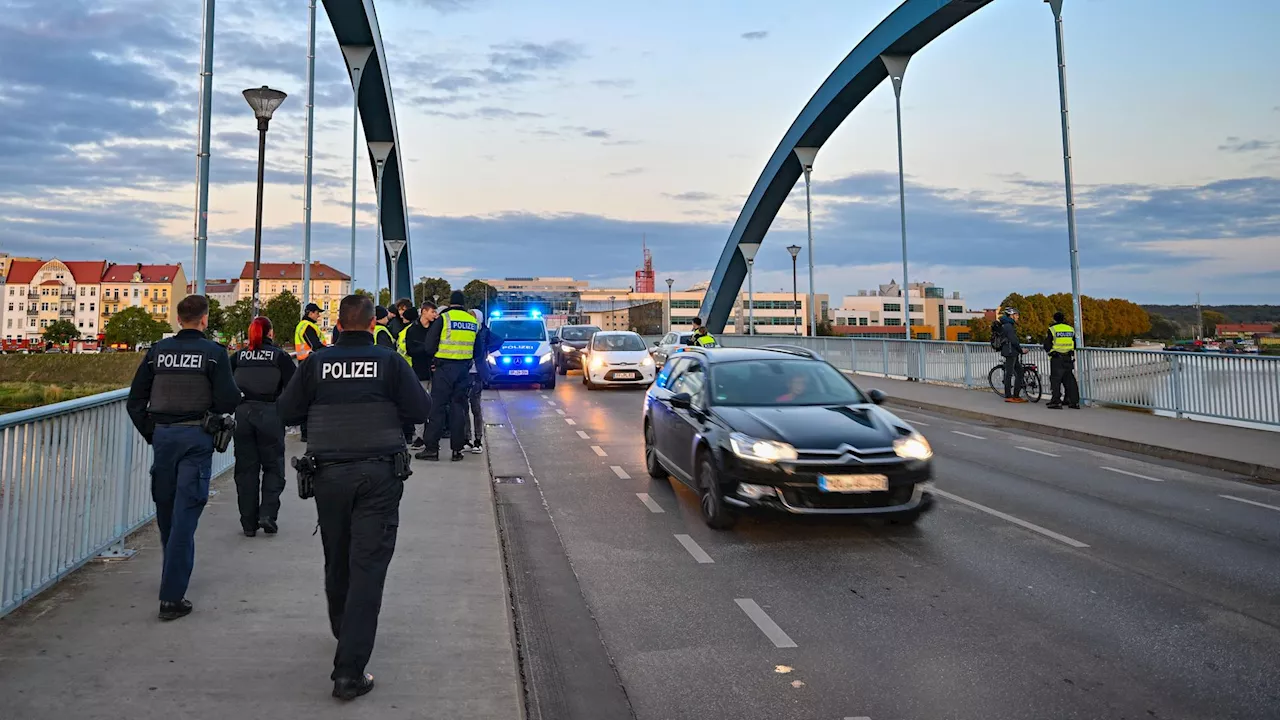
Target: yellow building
(328, 287)
(39, 293)
(155, 288)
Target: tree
(979, 329)
(384, 297)
(61, 332)
(235, 319)
(1212, 319)
(1162, 328)
(284, 311)
(364, 293)
(434, 289)
(217, 318)
(477, 291)
(134, 325)
(825, 329)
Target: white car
(670, 344)
(617, 358)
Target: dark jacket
(386, 339)
(214, 365)
(1011, 344)
(415, 344)
(395, 325)
(279, 358)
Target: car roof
(733, 354)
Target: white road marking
(551, 402)
(559, 411)
(969, 435)
(695, 550)
(1131, 474)
(858, 717)
(599, 451)
(622, 474)
(649, 502)
(583, 435)
(543, 396)
(1016, 521)
(571, 421)
(1038, 452)
(921, 424)
(1250, 502)
(765, 623)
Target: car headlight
(493, 358)
(571, 350)
(913, 447)
(762, 451)
(597, 362)
(647, 361)
(544, 358)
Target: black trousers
(259, 462)
(476, 428)
(449, 386)
(1062, 377)
(358, 505)
(1012, 376)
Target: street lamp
(393, 248)
(356, 57)
(310, 146)
(612, 320)
(204, 120)
(670, 282)
(896, 65)
(806, 157)
(1056, 7)
(795, 304)
(264, 102)
(381, 151)
(749, 250)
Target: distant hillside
(1186, 314)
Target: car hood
(578, 344)
(621, 356)
(522, 347)
(817, 427)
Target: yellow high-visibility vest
(380, 328)
(1064, 338)
(401, 347)
(705, 340)
(457, 335)
(300, 344)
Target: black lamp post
(795, 299)
(670, 320)
(264, 102)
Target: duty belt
(196, 423)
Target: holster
(306, 468)
(402, 461)
(221, 427)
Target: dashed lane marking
(969, 435)
(765, 623)
(599, 451)
(622, 474)
(583, 435)
(1016, 521)
(650, 503)
(1131, 474)
(695, 550)
(1038, 452)
(571, 421)
(1250, 502)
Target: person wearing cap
(452, 342)
(1060, 343)
(306, 336)
(382, 336)
(1012, 351)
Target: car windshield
(618, 343)
(583, 332)
(781, 383)
(519, 329)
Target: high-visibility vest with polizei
(380, 328)
(1064, 338)
(300, 344)
(705, 340)
(457, 335)
(401, 347)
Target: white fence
(75, 481)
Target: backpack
(997, 336)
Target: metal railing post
(885, 352)
(118, 551)
(968, 371)
(1177, 386)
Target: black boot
(174, 610)
(269, 526)
(457, 455)
(352, 688)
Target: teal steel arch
(355, 23)
(906, 30)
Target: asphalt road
(1054, 580)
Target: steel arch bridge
(905, 31)
(355, 23)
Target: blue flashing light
(535, 313)
(506, 360)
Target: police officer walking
(701, 336)
(181, 380)
(262, 371)
(452, 341)
(355, 397)
(1060, 343)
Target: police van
(525, 356)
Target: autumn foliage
(1112, 322)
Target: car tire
(652, 465)
(562, 369)
(550, 384)
(715, 513)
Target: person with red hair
(262, 370)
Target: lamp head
(794, 250)
(264, 101)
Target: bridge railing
(1238, 389)
(75, 481)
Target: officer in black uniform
(355, 397)
(262, 371)
(180, 381)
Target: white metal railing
(1237, 389)
(75, 481)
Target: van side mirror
(877, 396)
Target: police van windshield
(519, 330)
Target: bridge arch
(355, 23)
(914, 24)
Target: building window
(917, 308)
(955, 308)
(893, 322)
(892, 307)
(10, 322)
(917, 321)
(81, 307)
(146, 292)
(19, 307)
(326, 289)
(10, 307)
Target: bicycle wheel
(996, 379)
(1031, 387)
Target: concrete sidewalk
(258, 644)
(1244, 451)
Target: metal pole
(1056, 6)
(202, 148)
(751, 297)
(902, 209)
(377, 275)
(306, 193)
(808, 209)
(257, 223)
(355, 173)
(795, 304)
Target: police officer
(306, 336)
(701, 336)
(1060, 343)
(355, 397)
(181, 379)
(262, 371)
(382, 336)
(452, 342)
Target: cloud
(691, 196)
(755, 35)
(1236, 145)
(443, 6)
(618, 83)
(517, 62)
(628, 172)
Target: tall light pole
(204, 120)
(749, 251)
(381, 151)
(897, 67)
(795, 304)
(393, 248)
(264, 102)
(356, 57)
(613, 322)
(806, 157)
(311, 127)
(1056, 6)
(670, 282)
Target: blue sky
(550, 138)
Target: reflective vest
(457, 335)
(704, 340)
(1064, 338)
(401, 347)
(380, 328)
(299, 338)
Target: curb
(1253, 471)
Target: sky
(554, 138)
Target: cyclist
(1012, 351)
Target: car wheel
(715, 513)
(562, 369)
(550, 384)
(651, 463)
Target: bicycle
(1032, 389)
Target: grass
(16, 396)
(114, 369)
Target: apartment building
(38, 293)
(328, 286)
(878, 312)
(155, 288)
(776, 313)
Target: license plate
(518, 372)
(624, 376)
(853, 483)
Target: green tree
(61, 332)
(825, 329)
(217, 318)
(235, 320)
(134, 325)
(477, 291)
(284, 311)
(1212, 319)
(434, 289)
(979, 329)
(364, 293)
(1162, 328)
